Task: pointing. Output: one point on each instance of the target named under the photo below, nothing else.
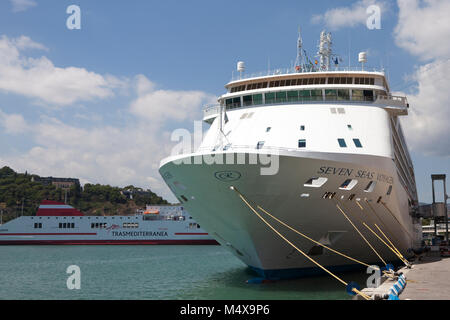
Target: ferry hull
(233, 224)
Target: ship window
(302, 143)
(389, 191)
(302, 128)
(280, 97)
(342, 143)
(311, 81)
(317, 81)
(315, 182)
(268, 129)
(248, 101)
(349, 126)
(288, 82)
(292, 96)
(236, 102)
(270, 97)
(282, 83)
(184, 198)
(304, 82)
(348, 184)
(357, 95)
(371, 186)
(330, 94)
(368, 95)
(305, 95)
(277, 84)
(257, 99)
(272, 84)
(316, 95)
(343, 94)
(357, 143)
(260, 145)
(333, 110)
(330, 80)
(322, 80)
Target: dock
(428, 280)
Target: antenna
(300, 61)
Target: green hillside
(20, 194)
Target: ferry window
(316, 80)
(316, 95)
(257, 99)
(330, 80)
(248, 101)
(330, 94)
(264, 85)
(272, 84)
(72, 225)
(310, 81)
(342, 143)
(292, 96)
(349, 80)
(357, 143)
(288, 82)
(366, 81)
(270, 97)
(357, 95)
(305, 82)
(92, 226)
(249, 86)
(343, 94)
(282, 83)
(268, 129)
(280, 97)
(302, 143)
(260, 145)
(322, 80)
(349, 126)
(368, 95)
(305, 95)
(277, 84)
(302, 128)
(228, 102)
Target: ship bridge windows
(365, 81)
(233, 103)
(357, 143)
(66, 225)
(38, 225)
(343, 94)
(331, 94)
(340, 80)
(280, 97)
(250, 100)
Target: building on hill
(60, 183)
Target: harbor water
(149, 272)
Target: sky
(99, 103)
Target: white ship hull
(232, 223)
(22, 231)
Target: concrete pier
(428, 279)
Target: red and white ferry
(60, 224)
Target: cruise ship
(317, 148)
(60, 224)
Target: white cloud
(161, 105)
(423, 31)
(426, 126)
(38, 78)
(13, 123)
(423, 28)
(22, 5)
(352, 16)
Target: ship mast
(300, 61)
(325, 50)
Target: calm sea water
(147, 272)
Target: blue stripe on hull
(282, 274)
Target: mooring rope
(359, 232)
(300, 251)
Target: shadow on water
(231, 284)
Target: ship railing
(285, 71)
